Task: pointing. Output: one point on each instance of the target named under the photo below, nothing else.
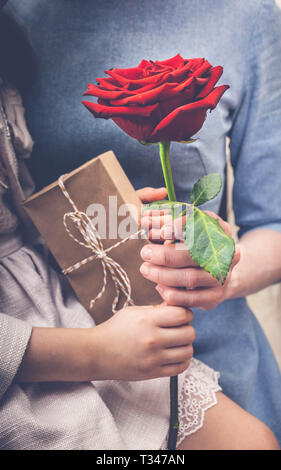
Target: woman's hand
(148, 194)
(140, 343)
(180, 281)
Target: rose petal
(195, 63)
(201, 81)
(118, 78)
(141, 88)
(214, 76)
(154, 69)
(185, 121)
(107, 112)
(181, 127)
(133, 87)
(142, 82)
(185, 84)
(149, 97)
(168, 95)
(134, 73)
(202, 69)
(138, 127)
(176, 101)
(94, 90)
(109, 84)
(181, 74)
(187, 70)
(177, 61)
(144, 63)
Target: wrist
(92, 357)
(233, 288)
(60, 355)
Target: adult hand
(148, 194)
(180, 281)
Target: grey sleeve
(14, 338)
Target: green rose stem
(164, 150)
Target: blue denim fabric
(76, 41)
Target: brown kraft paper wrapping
(92, 183)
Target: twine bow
(93, 242)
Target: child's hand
(140, 343)
(137, 343)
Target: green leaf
(209, 246)
(159, 205)
(206, 189)
(178, 208)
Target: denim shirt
(76, 41)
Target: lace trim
(196, 396)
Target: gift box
(89, 221)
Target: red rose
(158, 101)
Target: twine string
(92, 240)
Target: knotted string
(93, 242)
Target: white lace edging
(196, 395)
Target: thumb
(151, 194)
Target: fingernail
(159, 289)
(144, 270)
(146, 253)
(145, 221)
(167, 232)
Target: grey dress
(97, 415)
